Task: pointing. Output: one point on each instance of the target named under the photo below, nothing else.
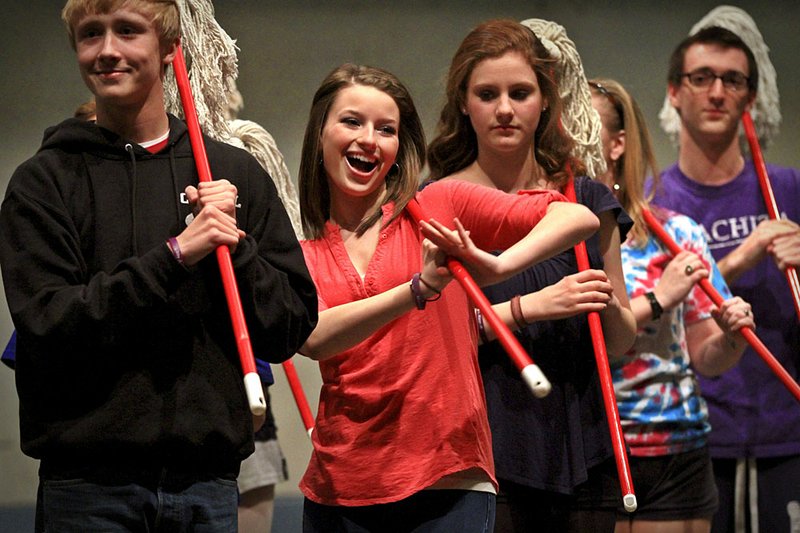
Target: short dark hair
(712, 35)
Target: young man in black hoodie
(127, 372)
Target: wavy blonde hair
(621, 112)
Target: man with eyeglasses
(755, 438)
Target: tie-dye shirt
(659, 400)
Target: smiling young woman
(402, 409)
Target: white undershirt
(160, 139)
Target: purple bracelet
(419, 299)
(174, 247)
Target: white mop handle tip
(629, 502)
(255, 394)
(534, 378)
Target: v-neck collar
(366, 286)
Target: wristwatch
(655, 307)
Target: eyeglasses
(703, 78)
(612, 99)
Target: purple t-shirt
(751, 412)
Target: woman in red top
(402, 410)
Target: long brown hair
(621, 112)
(401, 182)
(455, 145)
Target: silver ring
(688, 270)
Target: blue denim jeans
(77, 505)
(427, 511)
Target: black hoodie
(123, 355)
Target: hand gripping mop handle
(252, 383)
(749, 335)
(769, 198)
(531, 373)
(606, 383)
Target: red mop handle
(299, 396)
(606, 383)
(708, 288)
(769, 197)
(531, 373)
(252, 383)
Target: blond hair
(621, 112)
(163, 14)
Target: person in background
(401, 439)
(713, 79)
(501, 128)
(681, 334)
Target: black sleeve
(49, 290)
(599, 198)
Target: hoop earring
(395, 170)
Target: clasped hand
(679, 277)
(214, 224)
(779, 238)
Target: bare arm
(342, 327)
(564, 225)
(781, 238)
(716, 345)
(619, 324)
(672, 288)
(584, 292)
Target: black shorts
(673, 487)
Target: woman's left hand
(435, 274)
(733, 315)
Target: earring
(395, 170)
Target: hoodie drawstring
(129, 149)
(175, 191)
